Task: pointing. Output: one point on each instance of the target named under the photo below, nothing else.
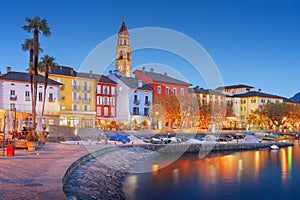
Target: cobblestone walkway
(38, 174)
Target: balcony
(75, 87)
(86, 88)
(76, 99)
(136, 102)
(86, 100)
(13, 97)
(147, 103)
(51, 100)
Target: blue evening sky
(253, 42)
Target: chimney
(140, 83)
(143, 69)
(72, 72)
(8, 69)
(165, 74)
(259, 90)
(91, 74)
(151, 69)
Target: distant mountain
(296, 97)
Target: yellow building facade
(77, 97)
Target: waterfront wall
(206, 147)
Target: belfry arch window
(121, 55)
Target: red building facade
(106, 99)
(163, 85)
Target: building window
(136, 101)
(75, 96)
(99, 101)
(75, 107)
(263, 101)
(12, 106)
(269, 101)
(243, 101)
(51, 97)
(135, 110)
(85, 86)
(98, 89)
(113, 112)
(12, 93)
(167, 90)
(175, 91)
(253, 100)
(112, 101)
(98, 111)
(147, 103)
(40, 96)
(106, 111)
(243, 117)
(113, 90)
(105, 101)
(181, 91)
(158, 89)
(277, 101)
(105, 90)
(146, 111)
(85, 108)
(27, 96)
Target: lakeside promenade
(38, 174)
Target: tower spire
(123, 51)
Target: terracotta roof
(24, 77)
(234, 87)
(123, 29)
(157, 77)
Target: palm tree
(29, 46)
(46, 63)
(37, 26)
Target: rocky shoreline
(101, 177)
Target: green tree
(46, 64)
(36, 26)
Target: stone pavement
(38, 174)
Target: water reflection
(231, 175)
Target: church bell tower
(123, 52)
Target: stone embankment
(100, 178)
(209, 146)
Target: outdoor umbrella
(20, 121)
(39, 127)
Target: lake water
(263, 174)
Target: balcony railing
(76, 99)
(136, 102)
(86, 100)
(13, 97)
(86, 88)
(147, 103)
(75, 87)
(27, 98)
